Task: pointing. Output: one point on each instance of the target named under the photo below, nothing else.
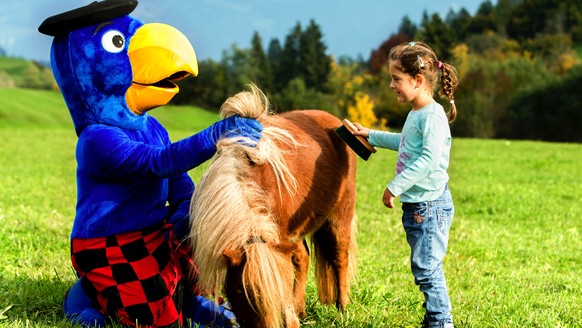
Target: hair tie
(440, 65)
(452, 101)
(412, 43)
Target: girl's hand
(361, 130)
(388, 198)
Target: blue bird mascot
(128, 243)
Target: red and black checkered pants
(141, 277)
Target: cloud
(233, 6)
(265, 24)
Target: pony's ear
(285, 247)
(234, 256)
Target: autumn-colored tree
(379, 57)
(362, 110)
(348, 80)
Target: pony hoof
(302, 314)
(340, 307)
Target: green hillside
(15, 72)
(13, 66)
(28, 108)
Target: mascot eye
(113, 41)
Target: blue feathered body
(129, 174)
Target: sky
(349, 27)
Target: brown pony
(254, 207)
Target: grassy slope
(13, 66)
(46, 109)
(515, 247)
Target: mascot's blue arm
(112, 153)
(126, 177)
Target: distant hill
(26, 108)
(13, 66)
(17, 72)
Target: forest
(519, 65)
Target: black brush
(358, 144)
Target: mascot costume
(133, 190)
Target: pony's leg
(340, 267)
(343, 230)
(301, 263)
(332, 245)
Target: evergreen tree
(459, 24)
(238, 69)
(288, 67)
(261, 69)
(502, 13)
(407, 27)
(207, 90)
(274, 53)
(437, 34)
(314, 64)
(529, 18)
(483, 20)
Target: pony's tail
(325, 275)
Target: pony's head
(235, 239)
(259, 284)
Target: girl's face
(402, 84)
(409, 89)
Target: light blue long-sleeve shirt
(423, 154)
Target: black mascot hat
(93, 13)
(112, 68)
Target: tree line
(518, 63)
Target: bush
(551, 112)
(6, 81)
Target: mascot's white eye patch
(113, 41)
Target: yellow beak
(159, 54)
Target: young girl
(421, 169)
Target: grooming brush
(358, 144)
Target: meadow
(515, 251)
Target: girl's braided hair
(418, 58)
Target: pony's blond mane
(228, 210)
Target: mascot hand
(238, 127)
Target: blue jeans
(427, 227)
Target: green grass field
(515, 256)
